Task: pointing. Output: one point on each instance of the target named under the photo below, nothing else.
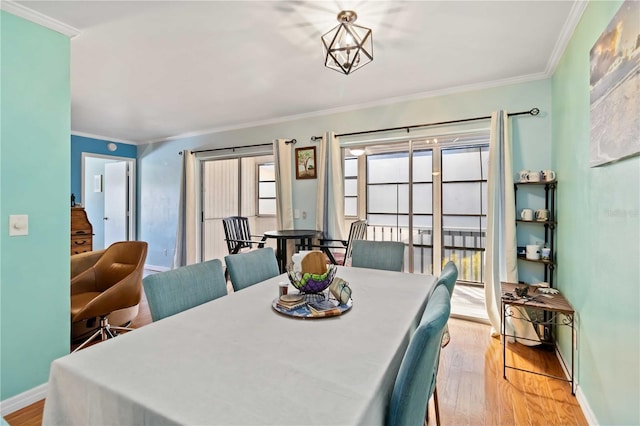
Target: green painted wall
(598, 238)
(34, 173)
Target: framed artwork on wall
(306, 163)
(615, 88)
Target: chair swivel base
(105, 332)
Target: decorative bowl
(312, 283)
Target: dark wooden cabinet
(81, 231)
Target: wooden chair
(238, 236)
(358, 231)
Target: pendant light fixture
(347, 47)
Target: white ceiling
(143, 71)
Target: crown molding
(38, 18)
(565, 36)
(102, 138)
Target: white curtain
(500, 255)
(284, 192)
(185, 249)
(330, 195)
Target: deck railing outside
(462, 246)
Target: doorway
(108, 196)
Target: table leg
(282, 254)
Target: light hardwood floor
(471, 390)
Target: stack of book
(323, 308)
(291, 302)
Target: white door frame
(132, 186)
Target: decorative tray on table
(309, 306)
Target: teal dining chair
(247, 269)
(183, 288)
(415, 382)
(386, 255)
(447, 279)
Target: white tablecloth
(236, 361)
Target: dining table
(236, 361)
(304, 237)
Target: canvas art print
(615, 88)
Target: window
(351, 187)
(266, 189)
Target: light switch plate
(18, 225)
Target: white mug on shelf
(526, 214)
(533, 252)
(548, 175)
(542, 215)
(533, 177)
(523, 175)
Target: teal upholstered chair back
(247, 269)
(415, 382)
(387, 255)
(447, 278)
(183, 288)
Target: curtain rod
(532, 111)
(233, 148)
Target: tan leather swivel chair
(113, 283)
(82, 329)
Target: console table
(557, 311)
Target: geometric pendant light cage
(347, 47)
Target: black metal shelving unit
(541, 318)
(549, 225)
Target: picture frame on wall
(615, 88)
(306, 163)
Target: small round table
(305, 236)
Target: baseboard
(23, 399)
(580, 396)
(156, 268)
(586, 408)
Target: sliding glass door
(235, 187)
(428, 193)
(464, 209)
